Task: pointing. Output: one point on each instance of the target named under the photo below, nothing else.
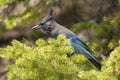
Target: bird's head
(46, 23)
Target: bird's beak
(35, 27)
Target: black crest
(51, 12)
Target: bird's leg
(69, 55)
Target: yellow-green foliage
(48, 61)
(110, 69)
(3, 2)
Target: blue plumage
(77, 40)
(80, 47)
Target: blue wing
(80, 47)
(77, 40)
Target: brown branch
(3, 72)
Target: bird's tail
(93, 60)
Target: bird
(50, 27)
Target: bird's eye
(41, 23)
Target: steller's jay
(53, 29)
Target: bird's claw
(69, 55)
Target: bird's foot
(69, 55)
